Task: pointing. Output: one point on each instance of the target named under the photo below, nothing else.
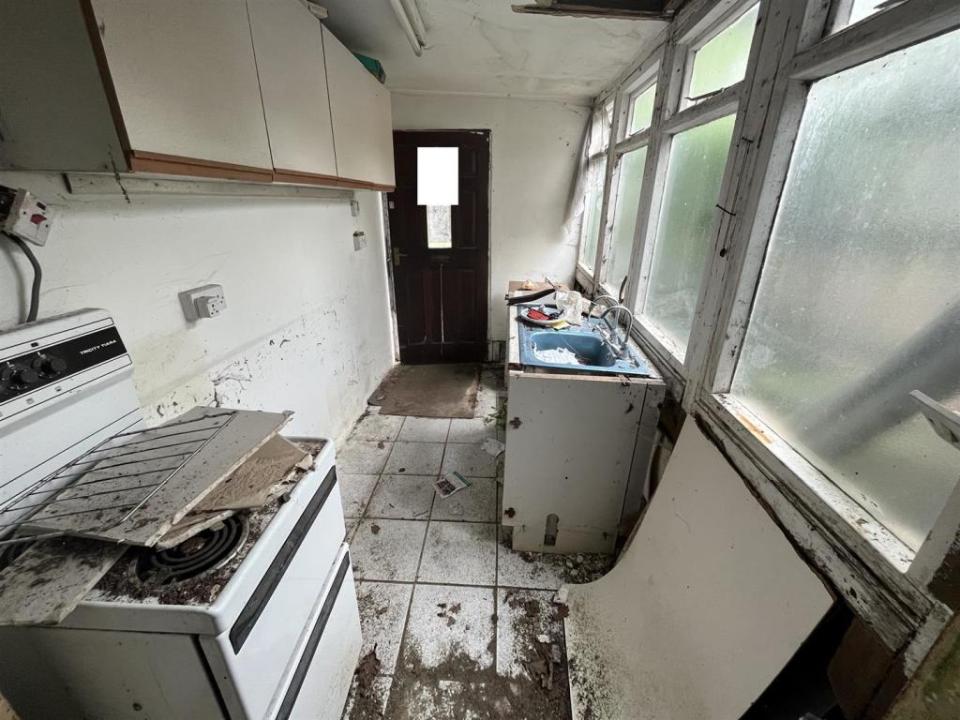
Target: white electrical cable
(407, 26)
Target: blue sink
(578, 350)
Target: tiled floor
(456, 617)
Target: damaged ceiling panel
(482, 46)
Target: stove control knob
(19, 377)
(49, 365)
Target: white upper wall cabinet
(362, 123)
(54, 114)
(185, 77)
(239, 89)
(288, 42)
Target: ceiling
(483, 47)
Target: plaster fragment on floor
(547, 571)
(524, 618)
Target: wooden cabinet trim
(141, 161)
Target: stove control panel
(44, 364)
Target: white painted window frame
(585, 275)
(642, 79)
(691, 31)
(878, 575)
(887, 584)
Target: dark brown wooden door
(441, 292)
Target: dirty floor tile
(387, 549)
(472, 430)
(415, 458)
(377, 427)
(476, 503)
(524, 618)
(408, 497)
(470, 460)
(383, 612)
(363, 456)
(368, 698)
(460, 552)
(417, 429)
(431, 699)
(546, 570)
(451, 628)
(355, 491)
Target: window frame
(644, 78)
(588, 277)
(901, 595)
(901, 603)
(671, 119)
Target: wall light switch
(359, 240)
(207, 301)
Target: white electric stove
(254, 618)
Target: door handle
(397, 255)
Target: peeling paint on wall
(307, 325)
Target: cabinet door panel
(362, 124)
(186, 79)
(289, 50)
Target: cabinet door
(289, 49)
(186, 81)
(362, 124)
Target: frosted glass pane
(439, 236)
(722, 62)
(625, 216)
(697, 160)
(859, 300)
(590, 231)
(641, 110)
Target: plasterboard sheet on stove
(229, 448)
(255, 483)
(703, 609)
(196, 522)
(44, 584)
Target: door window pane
(697, 160)
(439, 236)
(859, 300)
(590, 230)
(722, 62)
(641, 110)
(625, 216)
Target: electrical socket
(359, 240)
(206, 301)
(24, 216)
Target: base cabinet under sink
(577, 458)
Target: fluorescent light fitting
(400, 11)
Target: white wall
(307, 325)
(534, 150)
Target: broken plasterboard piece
(80, 513)
(254, 484)
(44, 584)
